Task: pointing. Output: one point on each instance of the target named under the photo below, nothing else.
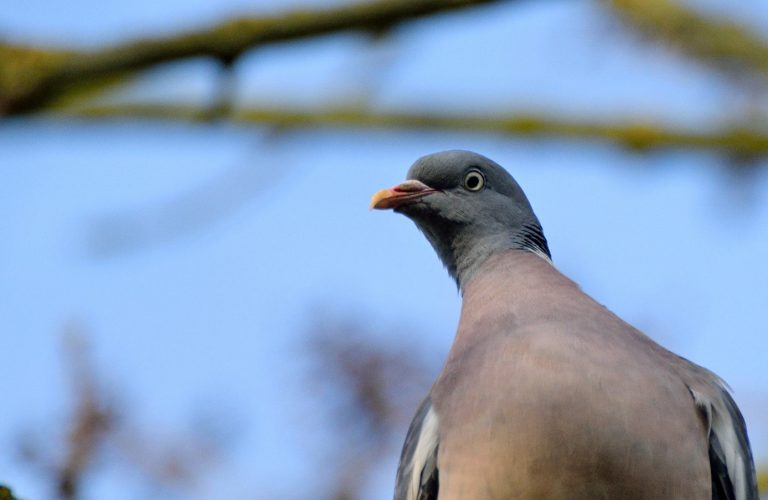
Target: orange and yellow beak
(400, 194)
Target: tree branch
(725, 45)
(30, 78)
(741, 140)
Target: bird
(545, 393)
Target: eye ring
(474, 180)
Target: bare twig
(91, 423)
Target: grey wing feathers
(730, 457)
(417, 474)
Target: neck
(470, 252)
(464, 248)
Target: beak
(400, 194)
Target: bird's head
(468, 207)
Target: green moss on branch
(30, 78)
(742, 141)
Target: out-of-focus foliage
(6, 493)
(762, 480)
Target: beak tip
(378, 200)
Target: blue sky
(211, 316)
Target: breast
(541, 413)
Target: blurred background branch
(100, 434)
(742, 140)
(6, 493)
(82, 441)
(370, 387)
(725, 45)
(30, 78)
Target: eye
(474, 180)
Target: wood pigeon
(545, 392)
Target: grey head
(468, 207)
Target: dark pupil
(473, 181)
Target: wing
(730, 457)
(417, 474)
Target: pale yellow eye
(474, 180)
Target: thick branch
(738, 140)
(725, 45)
(30, 78)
